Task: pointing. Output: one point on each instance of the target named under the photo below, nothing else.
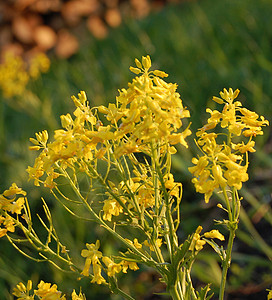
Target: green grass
(204, 46)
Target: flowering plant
(124, 151)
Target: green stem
(174, 293)
(98, 220)
(123, 294)
(232, 226)
(226, 264)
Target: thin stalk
(123, 294)
(102, 223)
(232, 228)
(173, 290)
(226, 264)
(228, 204)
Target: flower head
(224, 161)
(48, 292)
(22, 292)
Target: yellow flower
(92, 252)
(243, 148)
(13, 190)
(8, 201)
(48, 292)
(8, 224)
(39, 64)
(214, 234)
(236, 176)
(15, 73)
(149, 112)
(17, 206)
(269, 296)
(92, 256)
(158, 244)
(197, 243)
(174, 187)
(113, 114)
(80, 296)
(218, 175)
(221, 163)
(129, 264)
(229, 95)
(204, 185)
(135, 243)
(111, 208)
(97, 277)
(151, 108)
(22, 292)
(112, 267)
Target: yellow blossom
(92, 252)
(15, 73)
(40, 63)
(243, 148)
(197, 243)
(22, 292)
(201, 165)
(218, 175)
(97, 277)
(214, 234)
(80, 296)
(174, 187)
(48, 292)
(236, 176)
(149, 111)
(224, 162)
(129, 264)
(111, 208)
(135, 243)
(112, 267)
(158, 243)
(269, 296)
(13, 190)
(11, 202)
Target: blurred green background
(204, 46)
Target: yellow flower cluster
(11, 202)
(15, 73)
(45, 291)
(95, 258)
(224, 161)
(149, 112)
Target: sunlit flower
(214, 234)
(224, 161)
(80, 296)
(22, 292)
(158, 243)
(129, 264)
(197, 242)
(112, 267)
(97, 277)
(92, 252)
(48, 292)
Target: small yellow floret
(214, 234)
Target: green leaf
(202, 294)
(219, 250)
